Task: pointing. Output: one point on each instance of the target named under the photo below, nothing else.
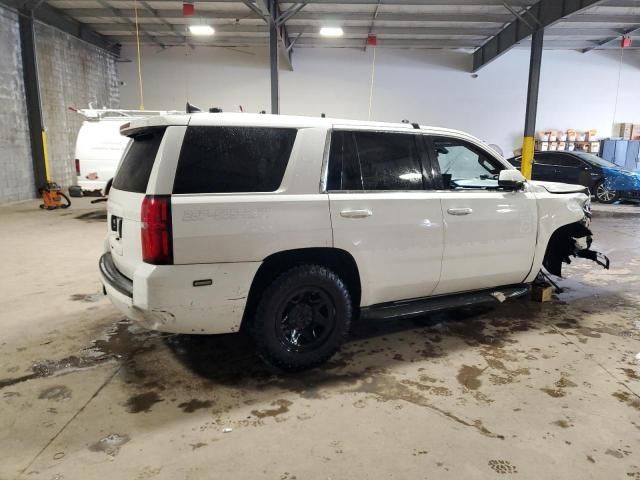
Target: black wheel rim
(305, 320)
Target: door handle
(459, 211)
(356, 213)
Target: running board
(421, 306)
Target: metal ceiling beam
(165, 22)
(547, 12)
(117, 13)
(58, 19)
(304, 16)
(314, 31)
(614, 40)
(320, 42)
(603, 18)
(481, 3)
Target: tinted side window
(233, 159)
(546, 159)
(344, 167)
(135, 169)
(568, 161)
(464, 166)
(389, 161)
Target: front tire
(605, 196)
(302, 318)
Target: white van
(99, 147)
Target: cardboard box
(571, 146)
(544, 146)
(553, 146)
(594, 147)
(571, 135)
(562, 145)
(635, 131)
(624, 131)
(591, 135)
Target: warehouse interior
(527, 389)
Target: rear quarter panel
(248, 227)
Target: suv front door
(384, 212)
(490, 234)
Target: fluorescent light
(202, 30)
(331, 32)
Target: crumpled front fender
(572, 240)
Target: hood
(557, 187)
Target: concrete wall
(72, 73)
(431, 87)
(16, 169)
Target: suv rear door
(126, 196)
(489, 235)
(384, 212)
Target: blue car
(606, 180)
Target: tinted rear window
(233, 159)
(374, 161)
(134, 171)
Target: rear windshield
(233, 159)
(134, 171)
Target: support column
(528, 141)
(273, 57)
(32, 94)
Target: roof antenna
(215, 110)
(192, 108)
(322, 115)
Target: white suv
(291, 227)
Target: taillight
(156, 234)
(78, 166)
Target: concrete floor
(527, 390)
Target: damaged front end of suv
(573, 239)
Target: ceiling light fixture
(201, 30)
(331, 32)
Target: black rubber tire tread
(262, 329)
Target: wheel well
(339, 261)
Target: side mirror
(511, 179)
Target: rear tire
(302, 318)
(605, 196)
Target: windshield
(594, 159)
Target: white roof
(266, 120)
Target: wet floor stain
(502, 467)
(195, 446)
(562, 423)
(56, 393)
(143, 402)
(628, 398)
(93, 216)
(468, 376)
(119, 341)
(110, 444)
(86, 297)
(194, 404)
(281, 407)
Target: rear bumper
(112, 277)
(164, 298)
